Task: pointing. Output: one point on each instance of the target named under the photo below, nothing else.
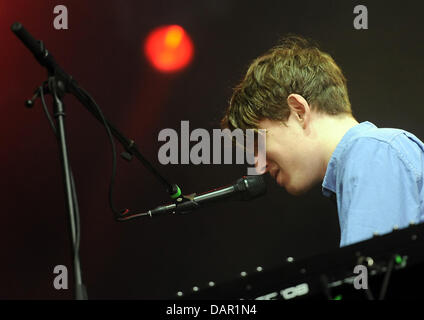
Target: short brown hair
(294, 66)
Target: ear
(299, 108)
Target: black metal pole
(59, 114)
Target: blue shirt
(376, 177)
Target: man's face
(292, 154)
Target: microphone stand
(57, 90)
(60, 83)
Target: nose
(261, 168)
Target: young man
(299, 95)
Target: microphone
(245, 188)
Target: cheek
(273, 155)
(283, 155)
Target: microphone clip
(185, 199)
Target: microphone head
(251, 187)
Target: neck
(331, 130)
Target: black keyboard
(393, 266)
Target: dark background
(153, 259)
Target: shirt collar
(329, 182)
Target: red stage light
(169, 48)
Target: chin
(296, 191)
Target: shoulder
(386, 147)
